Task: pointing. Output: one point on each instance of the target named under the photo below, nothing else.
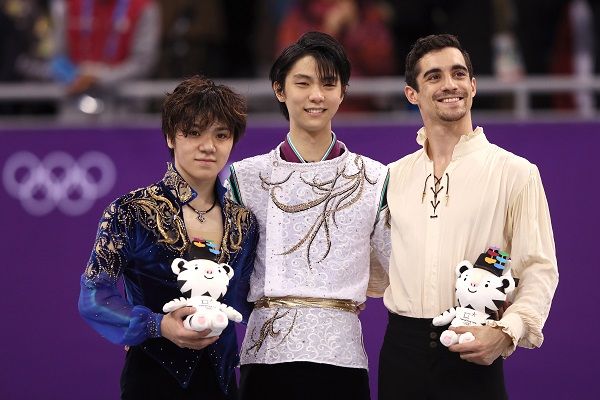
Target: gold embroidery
(157, 213)
(268, 329)
(334, 197)
(235, 224)
(177, 185)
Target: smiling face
(445, 90)
(311, 100)
(201, 154)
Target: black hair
(329, 54)
(426, 45)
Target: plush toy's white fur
(479, 294)
(207, 282)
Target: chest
(207, 227)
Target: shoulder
(513, 166)
(404, 162)
(152, 195)
(259, 162)
(371, 166)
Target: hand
(361, 307)
(172, 328)
(489, 343)
(81, 84)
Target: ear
(170, 143)
(228, 270)
(178, 265)
(462, 267)
(411, 95)
(508, 282)
(279, 93)
(344, 91)
(474, 86)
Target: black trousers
(414, 365)
(302, 380)
(145, 379)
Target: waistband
(291, 302)
(413, 323)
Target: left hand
(489, 343)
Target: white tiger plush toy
(207, 282)
(480, 290)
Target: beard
(452, 116)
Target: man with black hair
(449, 201)
(320, 209)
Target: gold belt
(290, 301)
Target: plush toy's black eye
(486, 285)
(465, 279)
(196, 268)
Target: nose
(449, 83)
(316, 95)
(207, 145)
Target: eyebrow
(302, 76)
(455, 67)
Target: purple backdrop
(48, 351)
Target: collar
(182, 191)
(468, 143)
(289, 152)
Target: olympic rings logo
(58, 181)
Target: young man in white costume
(321, 208)
(450, 201)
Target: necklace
(200, 215)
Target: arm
(534, 262)
(100, 303)
(239, 302)
(380, 248)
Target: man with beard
(449, 201)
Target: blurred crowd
(90, 46)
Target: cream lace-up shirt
(486, 197)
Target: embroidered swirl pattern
(332, 195)
(152, 209)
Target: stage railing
(388, 90)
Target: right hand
(172, 328)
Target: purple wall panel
(48, 351)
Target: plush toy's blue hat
(202, 249)
(494, 261)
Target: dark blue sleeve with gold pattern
(101, 304)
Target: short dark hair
(426, 45)
(198, 100)
(332, 61)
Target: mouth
(208, 277)
(315, 111)
(450, 100)
(475, 291)
(202, 160)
